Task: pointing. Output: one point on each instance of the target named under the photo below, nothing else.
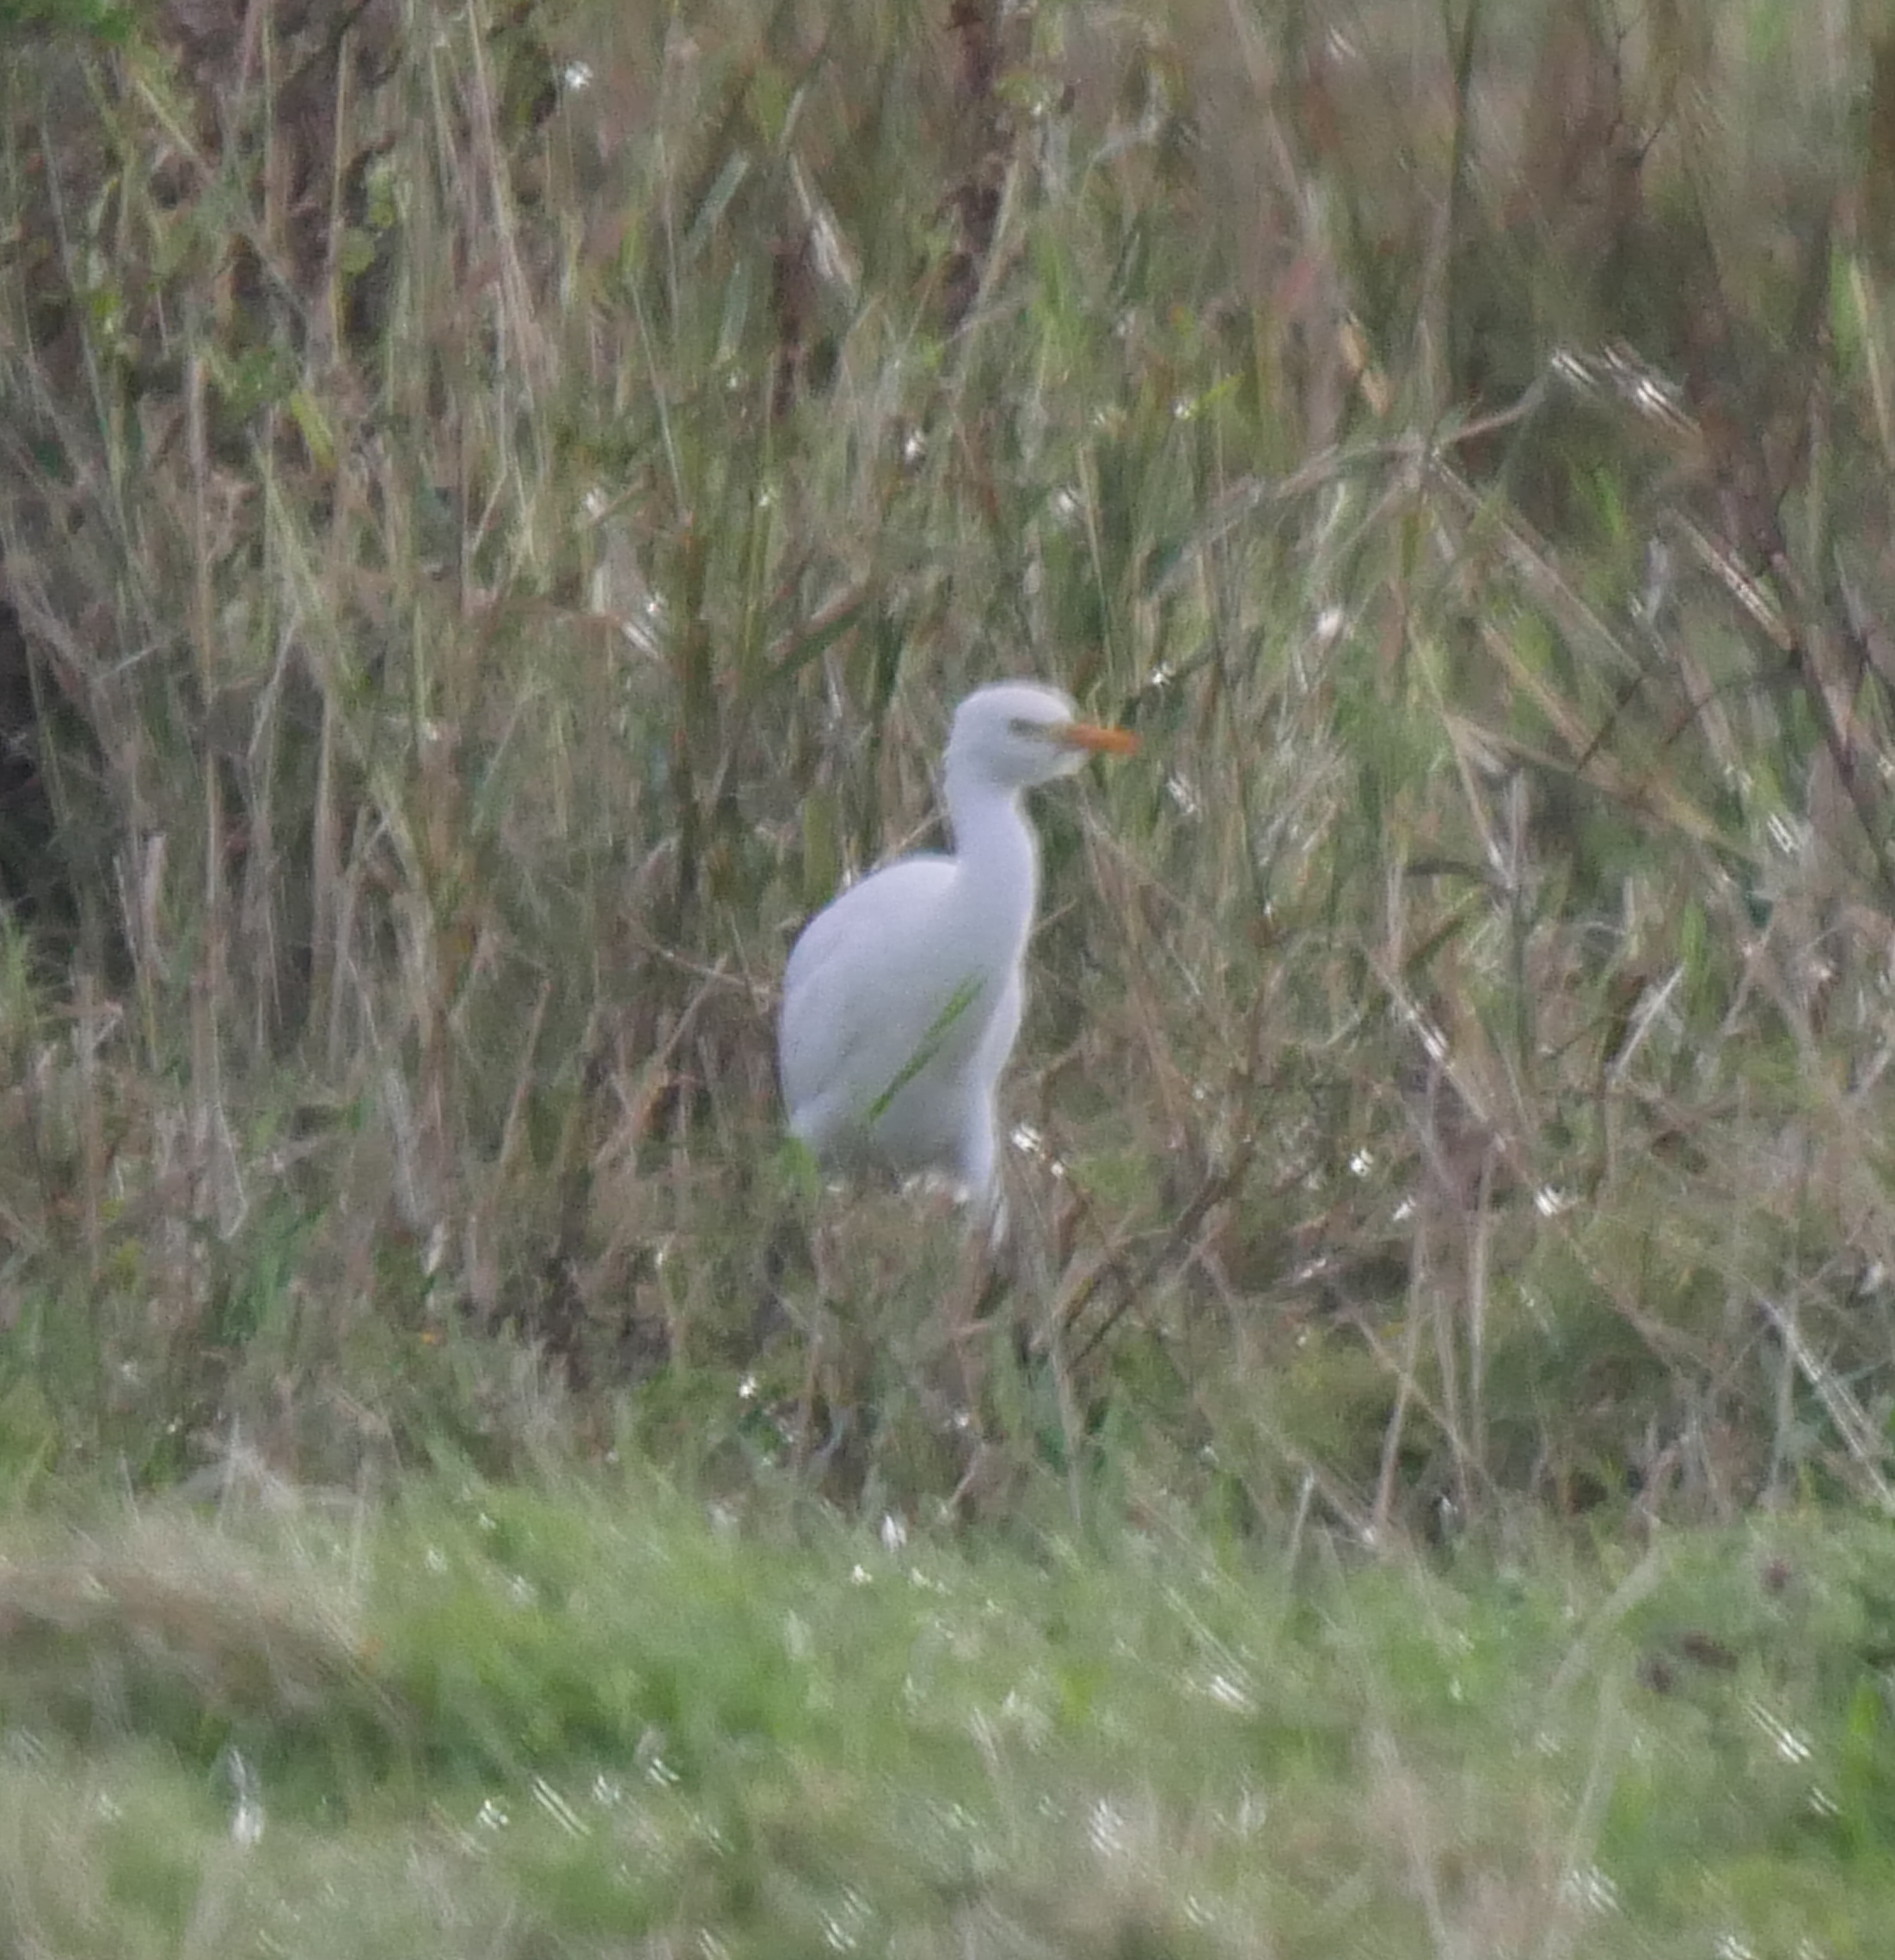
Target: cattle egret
(903, 997)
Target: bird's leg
(815, 1326)
(976, 1290)
(991, 1459)
(806, 1403)
(963, 1321)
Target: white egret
(903, 995)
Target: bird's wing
(835, 987)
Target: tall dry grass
(498, 505)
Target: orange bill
(1100, 741)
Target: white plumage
(903, 997)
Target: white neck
(996, 857)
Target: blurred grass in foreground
(496, 504)
(590, 1720)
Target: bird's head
(1018, 733)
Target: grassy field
(476, 1720)
(498, 503)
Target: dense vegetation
(497, 504)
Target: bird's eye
(1033, 730)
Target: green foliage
(103, 20)
(589, 1713)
